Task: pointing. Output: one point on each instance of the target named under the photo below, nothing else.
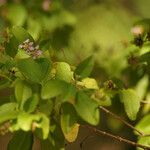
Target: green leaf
(141, 87)
(21, 54)
(8, 106)
(144, 125)
(22, 92)
(63, 71)
(21, 141)
(72, 135)
(12, 47)
(69, 122)
(53, 88)
(102, 97)
(55, 138)
(8, 111)
(145, 57)
(84, 69)
(44, 125)
(21, 34)
(131, 102)
(35, 70)
(68, 117)
(46, 107)
(144, 141)
(34, 27)
(69, 93)
(87, 108)
(90, 83)
(27, 122)
(31, 104)
(16, 14)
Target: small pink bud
(137, 30)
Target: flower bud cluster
(31, 49)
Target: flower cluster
(31, 50)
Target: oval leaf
(21, 34)
(72, 135)
(34, 70)
(87, 108)
(53, 88)
(8, 111)
(144, 125)
(68, 117)
(84, 69)
(22, 91)
(131, 102)
(12, 47)
(63, 72)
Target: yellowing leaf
(68, 117)
(72, 135)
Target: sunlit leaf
(90, 83)
(63, 71)
(28, 122)
(141, 87)
(131, 102)
(8, 111)
(144, 125)
(144, 141)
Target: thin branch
(145, 102)
(122, 120)
(118, 138)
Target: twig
(145, 102)
(118, 138)
(123, 121)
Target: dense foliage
(48, 97)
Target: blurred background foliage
(79, 28)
